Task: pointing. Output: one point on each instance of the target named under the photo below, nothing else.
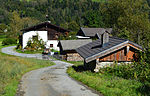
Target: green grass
(107, 84)
(12, 68)
(28, 52)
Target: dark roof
(73, 44)
(94, 50)
(45, 24)
(91, 32)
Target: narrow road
(10, 51)
(49, 81)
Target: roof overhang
(112, 49)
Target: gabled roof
(45, 25)
(91, 32)
(73, 44)
(94, 50)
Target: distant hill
(59, 11)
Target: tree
(129, 16)
(93, 18)
(3, 28)
(73, 26)
(18, 24)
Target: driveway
(49, 81)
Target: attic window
(51, 45)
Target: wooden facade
(53, 31)
(53, 34)
(121, 55)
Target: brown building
(106, 50)
(67, 49)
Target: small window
(35, 37)
(51, 45)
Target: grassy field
(107, 84)
(12, 68)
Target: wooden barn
(106, 50)
(46, 31)
(67, 49)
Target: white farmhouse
(46, 31)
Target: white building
(48, 32)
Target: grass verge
(107, 84)
(12, 68)
(28, 52)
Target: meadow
(12, 68)
(108, 84)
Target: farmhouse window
(35, 37)
(51, 45)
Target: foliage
(28, 51)
(72, 26)
(9, 41)
(17, 24)
(70, 36)
(3, 28)
(107, 84)
(130, 17)
(139, 70)
(35, 44)
(94, 19)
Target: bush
(34, 44)
(9, 41)
(139, 70)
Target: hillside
(59, 12)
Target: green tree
(93, 19)
(3, 28)
(18, 24)
(129, 16)
(73, 26)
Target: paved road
(49, 81)
(10, 51)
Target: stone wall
(73, 57)
(106, 64)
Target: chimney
(104, 38)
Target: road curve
(49, 81)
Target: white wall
(54, 42)
(42, 35)
(27, 35)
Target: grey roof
(73, 44)
(93, 31)
(94, 50)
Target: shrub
(139, 70)
(9, 41)
(34, 44)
